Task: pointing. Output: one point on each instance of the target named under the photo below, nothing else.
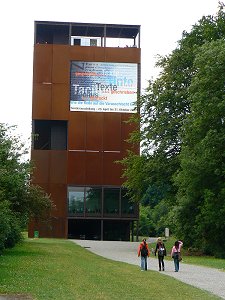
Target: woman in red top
(144, 252)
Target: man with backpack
(144, 252)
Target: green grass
(59, 269)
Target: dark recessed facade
(86, 78)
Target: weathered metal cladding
(76, 168)
(94, 131)
(77, 131)
(112, 171)
(58, 192)
(127, 128)
(95, 141)
(58, 167)
(41, 161)
(52, 166)
(56, 227)
(42, 63)
(112, 132)
(60, 105)
(94, 165)
(42, 101)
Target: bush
(10, 230)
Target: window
(127, 207)
(96, 201)
(111, 201)
(93, 42)
(49, 135)
(76, 42)
(76, 200)
(93, 200)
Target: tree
(201, 180)
(19, 199)
(165, 109)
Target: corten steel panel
(107, 54)
(40, 160)
(94, 133)
(55, 228)
(84, 53)
(112, 171)
(127, 128)
(60, 101)
(112, 132)
(94, 168)
(58, 228)
(128, 54)
(44, 186)
(61, 64)
(42, 62)
(41, 108)
(58, 194)
(77, 131)
(99, 53)
(58, 166)
(76, 168)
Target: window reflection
(76, 200)
(127, 206)
(93, 200)
(88, 201)
(111, 201)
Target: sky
(162, 23)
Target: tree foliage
(201, 179)
(182, 137)
(19, 199)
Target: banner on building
(103, 87)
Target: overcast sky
(162, 23)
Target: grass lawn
(61, 270)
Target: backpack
(161, 251)
(144, 250)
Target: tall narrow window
(127, 207)
(75, 200)
(111, 201)
(93, 200)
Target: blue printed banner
(103, 87)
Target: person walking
(161, 249)
(176, 255)
(144, 252)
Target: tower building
(86, 78)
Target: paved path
(211, 280)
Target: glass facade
(93, 198)
(111, 201)
(100, 202)
(127, 207)
(75, 200)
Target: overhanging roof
(91, 29)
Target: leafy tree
(19, 199)
(135, 172)
(201, 180)
(165, 109)
(146, 225)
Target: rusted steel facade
(77, 150)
